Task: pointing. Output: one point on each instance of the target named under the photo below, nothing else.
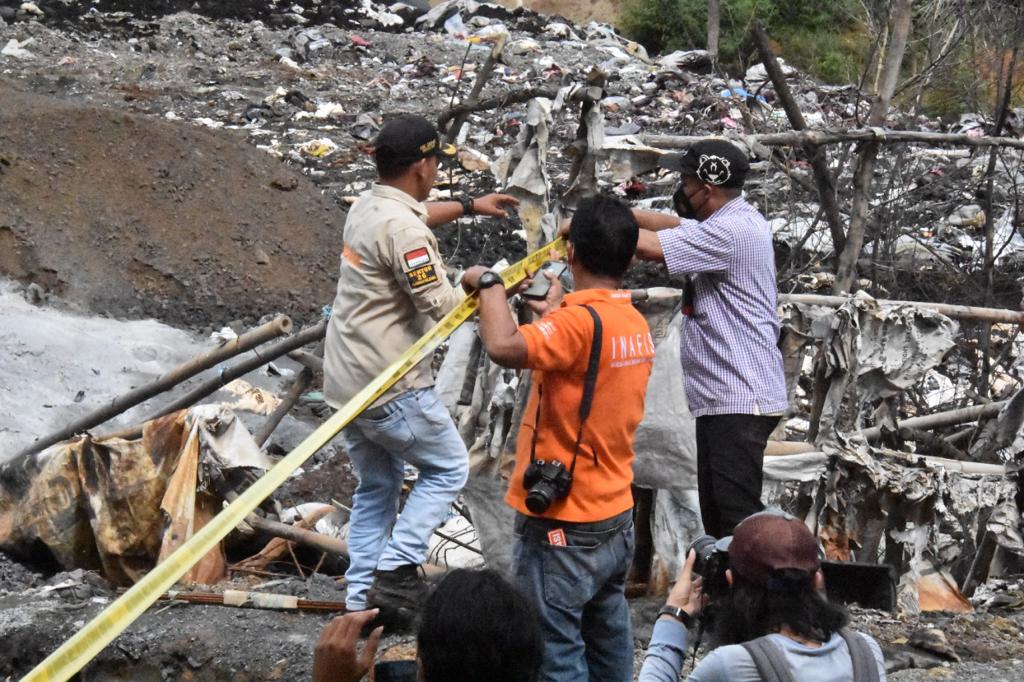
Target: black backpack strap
(865, 667)
(770, 659)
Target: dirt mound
(135, 216)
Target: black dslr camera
(711, 564)
(545, 482)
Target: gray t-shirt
(829, 662)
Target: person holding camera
(497, 632)
(770, 619)
(392, 288)
(591, 352)
(735, 383)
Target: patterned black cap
(713, 161)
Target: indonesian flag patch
(416, 258)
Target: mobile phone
(541, 284)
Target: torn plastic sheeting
(881, 350)
(665, 440)
(455, 545)
(628, 157)
(583, 182)
(803, 467)
(921, 518)
(103, 505)
(523, 170)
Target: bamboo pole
(962, 312)
(262, 356)
(791, 448)
(933, 421)
(252, 338)
(828, 136)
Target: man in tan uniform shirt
(392, 289)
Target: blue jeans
(579, 591)
(413, 428)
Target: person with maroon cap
(772, 623)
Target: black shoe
(398, 594)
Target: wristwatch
(677, 613)
(467, 205)
(489, 279)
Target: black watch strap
(489, 279)
(677, 613)
(467, 205)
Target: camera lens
(704, 546)
(539, 498)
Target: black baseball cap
(713, 161)
(409, 137)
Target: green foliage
(823, 37)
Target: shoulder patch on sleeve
(422, 276)
(416, 258)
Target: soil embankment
(134, 216)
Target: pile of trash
(550, 111)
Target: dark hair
(476, 626)
(389, 167)
(748, 611)
(604, 233)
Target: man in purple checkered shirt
(734, 377)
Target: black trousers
(730, 456)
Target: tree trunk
(1002, 110)
(900, 16)
(714, 28)
(819, 163)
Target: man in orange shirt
(592, 354)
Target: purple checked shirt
(729, 354)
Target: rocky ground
(193, 162)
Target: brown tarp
(119, 506)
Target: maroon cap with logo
(769, 541)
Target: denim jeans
(579, 592)
(414, 428)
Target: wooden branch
(826, 136)
(819, 163)
(478, 85)
(935, 444)
(300, 384)
(514, 97)
(901, 14)
(961, 312)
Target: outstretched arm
(491, 205)
(654, 221)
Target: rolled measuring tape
(85, 644)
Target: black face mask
(682, 204)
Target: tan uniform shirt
(392, 289)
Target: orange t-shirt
(558, 348)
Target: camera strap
(589, 382)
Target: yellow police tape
(72, 656)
